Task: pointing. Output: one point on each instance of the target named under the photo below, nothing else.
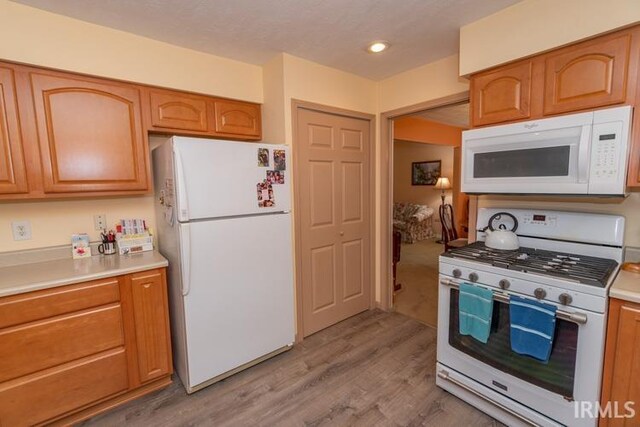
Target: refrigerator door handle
(185, 249)
(183, 203)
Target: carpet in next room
(417, 271)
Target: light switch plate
(21, 230)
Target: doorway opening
(426, 188)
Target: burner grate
(578, 268)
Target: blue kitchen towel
(532, 327)
(475, 311)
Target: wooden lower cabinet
(70, 352)
(151, 323)
(621, 380)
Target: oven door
(548, 156)
(573, 372)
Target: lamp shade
(443, 183)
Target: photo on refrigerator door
(275, 177)
(265, 195)
(279, 160)
(263, 157)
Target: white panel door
(239, 291)
(219, 178)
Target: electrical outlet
(21, 230)
(100, 222)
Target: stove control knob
(473, 277)
(565, 299)
(457, 273)
(540, 293)
(504, 284)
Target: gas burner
(576, 268)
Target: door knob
(342, 233)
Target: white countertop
(626, 286)
(18, 279)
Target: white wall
(37, 37)
(404, 154)
(427, 82)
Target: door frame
(385, 229)
(296, 105)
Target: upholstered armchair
(413, 221)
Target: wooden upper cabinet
(175, 110)
(90, 134)
(149, 301)
(587, 75)
(501, 95)
(237, 119)
(13, 175)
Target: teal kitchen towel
(475, 311)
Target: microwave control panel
(606, 151)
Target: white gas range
(566, 259)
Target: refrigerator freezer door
(240, 301)
(220, 178)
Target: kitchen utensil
(500, 238)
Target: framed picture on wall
(425, 173)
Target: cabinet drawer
(23, 308)
(36, 346)
(39, 397)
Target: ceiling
(330, 32)
(452, 115)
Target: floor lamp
(442, 184)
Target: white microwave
(584, 153)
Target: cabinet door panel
(48, 394)
(501, 95)
(237, 118)
(90, 135)
(58, 340)
(173, 110)
(13, 176)
(588, 75)
(149, 301)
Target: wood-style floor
(376, 368)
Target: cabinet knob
(504, 284)
(457, 273)
(473, 277)
(540, 293)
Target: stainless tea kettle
(501, 238)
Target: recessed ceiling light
(377, 47)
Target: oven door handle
(579, 318)
(445, 376)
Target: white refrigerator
(224, 224)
